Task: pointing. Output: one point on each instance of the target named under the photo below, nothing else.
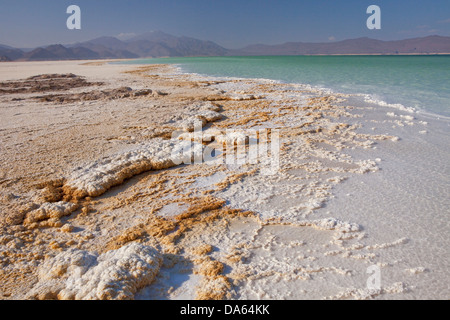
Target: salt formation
(227, 137)
(97, 178)
(49, 211)
(335, 224)
(325, 224)
(368, 294)
(158, 154)
(80, 275)
(100, 176)
(243, 97)
(417, 270)
(199, 115)
(238, 137)
(202, 118)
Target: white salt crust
(49, 210)
(101, 175)
(158, 154)
(81, 275)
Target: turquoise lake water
(420, 82)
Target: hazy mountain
(155, 36)
(150, 44)
(40, 54)
(84, 53)
(160, 44)
(3, 46)
(431, 44)
(58, 52)
(145, 48)
(8, 53)
(61, 52)
(107, 42)
(4, 59)
(186, 46)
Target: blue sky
(230, 23)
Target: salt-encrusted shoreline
(102, 176)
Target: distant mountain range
(160, 44)
(426, 45)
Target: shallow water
(419, 82)
(408, 198)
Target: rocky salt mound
(46, 83)
(107, 94)
(81, 275)
(197, 115)
(58, 89)
(49, 212)
(96, 178)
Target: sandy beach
(103, 196)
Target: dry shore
(95, 206)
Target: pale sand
(82, 181)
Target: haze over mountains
(160, 44)
(426, 45)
